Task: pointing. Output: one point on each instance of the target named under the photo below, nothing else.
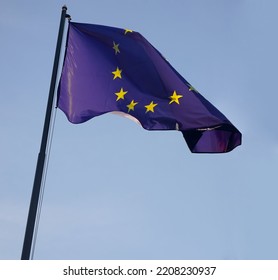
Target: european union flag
(109, 69)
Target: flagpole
(32, 215)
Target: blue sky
(116, 191)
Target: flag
(108, 69)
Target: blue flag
(109, 69)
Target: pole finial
(64, 8)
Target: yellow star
(116, 47)
(150, 107)
(128, 30)
(175, 97)
(121, 94)
(117, 73)
(131, 105)
(191, 88)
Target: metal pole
(29, 232)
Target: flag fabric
(108, 69)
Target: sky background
(117, 191)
